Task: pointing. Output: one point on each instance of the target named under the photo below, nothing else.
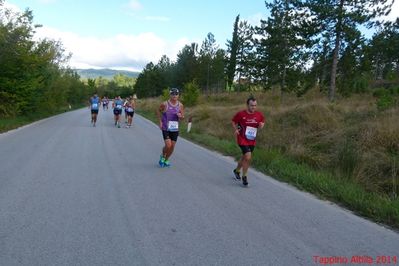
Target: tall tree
(349, 68)
(186, 68)
(279, 50)
(205, 61)
(245, 51)
(218, 70)
(240, 52)
(334, 17)
(232, 49)
(384, 51)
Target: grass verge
(346, 193)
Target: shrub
(385, 98)
(165, 94)
(380, 92)
(191, 93)
(385, 102)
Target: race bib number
(119, 106)
(130, 109)
(94, 106)
(250, 133)
(173, 126)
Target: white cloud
(135, 5)
(254, 19)
(119, 52)
(12, 7)
(394, 11)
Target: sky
(128, 34)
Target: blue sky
(128, 34)
(93, 29)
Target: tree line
(33, 75)
(301, 45)
(119, 85)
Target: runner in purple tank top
(169, 115)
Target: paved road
(71, 194)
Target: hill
(105, 73)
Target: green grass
(7, 124)
(346, 193)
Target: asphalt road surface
(72, 194)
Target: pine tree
(232, 49)
(334, 17)
(280, 48)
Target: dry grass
(349, 138)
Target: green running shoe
(166, 163)
(161, 161)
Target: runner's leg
(245, 161)
(170, 149)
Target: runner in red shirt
(246, 124)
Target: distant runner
(125, 108)
(130, 107)
(246, 124)
(105, 103)
(118, 103)
(169, 114)
(94, 106)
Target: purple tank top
(170, 115)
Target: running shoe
(244, 181)
(166, 163)
(161, 161)
(236, 174)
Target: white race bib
(130, 109)
(173, 126)
(94, 106)
(250, 133)
(119, 106)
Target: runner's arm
(181, 113)
(160, 110)
(235, 126)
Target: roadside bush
(385, 102)
(7, 104)
(165, 94)
(385, 98)
(191, 93)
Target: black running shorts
(246, 149)
(170, 135)
(117, 112)
(94, 111)
(130, 114)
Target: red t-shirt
(248, 124)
